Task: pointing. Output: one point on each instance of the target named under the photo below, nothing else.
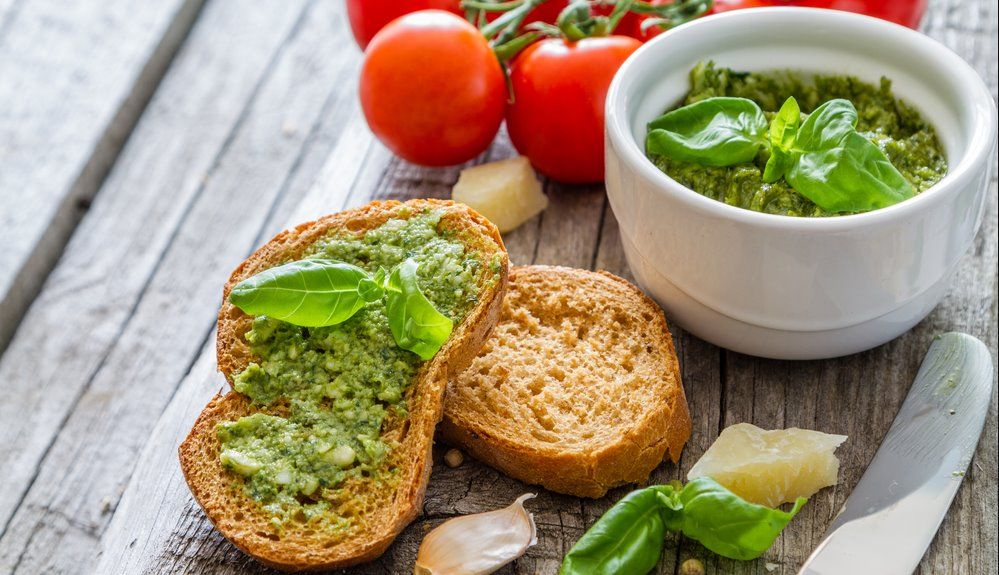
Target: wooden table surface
(148, 147)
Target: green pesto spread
(336, 386)
(894, 126)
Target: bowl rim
(980, 145)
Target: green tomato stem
(507, 51)
(621, 8)
(666, 16)
(491, 6)
(505, 27)
(576, 21)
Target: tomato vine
(512, 25)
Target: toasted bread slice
(578, 389)
(377, 510)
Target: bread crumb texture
(578, 388)
(364, 514)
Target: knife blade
(889, 520)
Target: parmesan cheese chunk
(771, 467)
(506, 192)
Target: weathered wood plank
(157, 494)
(700, 369)
(565, 234)
(969, 28)
(200, 117)
(859, 395)
(521, 243)
(95, 451)
(351, 170)
(86, 302)
(468, 489)
(722, 388)
(968, 539)
(6, 14)
(76, 76)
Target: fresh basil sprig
(317, 293)
(309, 293)
(830, 163)
(783, 132)
(823, 158)
(629, 538)
(416, 325)
(726, 523)
(712, 132)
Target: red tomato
(631, 25)
(728, 5)
(432, 89)
(367, 17)
(547, 12)
(904, 12)
(557, 117)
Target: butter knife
(889, 520)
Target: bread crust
(212, 485)
(588, 471)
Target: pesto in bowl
(893, 126)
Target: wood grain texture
(968, 540)
(251, 153)
(86, 302)
(157, 528)
(76, 76)
(187, 542)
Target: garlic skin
(478, 544)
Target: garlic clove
(478, 544)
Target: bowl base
(736, 335)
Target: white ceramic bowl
(787, 287)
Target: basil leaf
(784, 128)
(854, 176)
(727, 524)
(629, 538)
(712, 132)
(783, 133)
(839, 169)
(308, 293)
(827, 125)
(416, 325)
